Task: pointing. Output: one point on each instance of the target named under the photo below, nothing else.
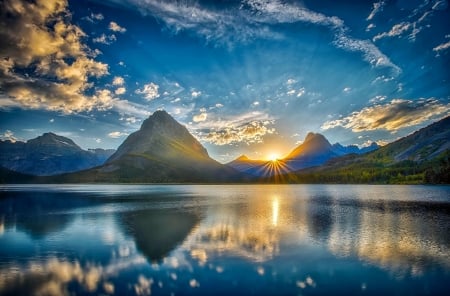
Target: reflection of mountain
(158, 232)
(37, 213)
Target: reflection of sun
(273, 157)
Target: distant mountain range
(49, 154)
(314, 151)
(163, 151)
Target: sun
(273, 157)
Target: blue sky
(245, 77)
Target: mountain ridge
(163, 151)
(421, 157)
(49, 154)
(315, 150)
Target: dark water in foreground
(224, 240)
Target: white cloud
(253, 20)
(396, 30)
(200, 117)
(150, 91)
(347, 89)
(371, 53)
(113, 26)
(301, 92)
(219, 105)
(442, 46)
(196, 94)
(377, 7)
(251, 132)
(244, 128)
(120, 91)
(440, 5)
(116, 134)
(117, 80)
(391, 116)
(94, 17)
(105, 39)
(370, 27)
(8, 136)
(40, 35)
(52, 120)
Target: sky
(245, 77)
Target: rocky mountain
(161, 151)
(422, 157)
(314, 151)
(49, 154)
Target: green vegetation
(370, 170)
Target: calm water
(229, 240)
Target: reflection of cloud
(377, 240)
(143, 285)
(250, 235)
(194, 283)
(392, 116)
(53, 276)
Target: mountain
(343, 150)
(49, 154)
(314, 151)
(161, 151)
(422, 157)
(243, 163)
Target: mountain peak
(163, 137)
(314, 137)
(243, 157)
(53, 140)
(314, 144)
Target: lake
(224, 240)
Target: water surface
(224, 240)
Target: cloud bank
(397, 114)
